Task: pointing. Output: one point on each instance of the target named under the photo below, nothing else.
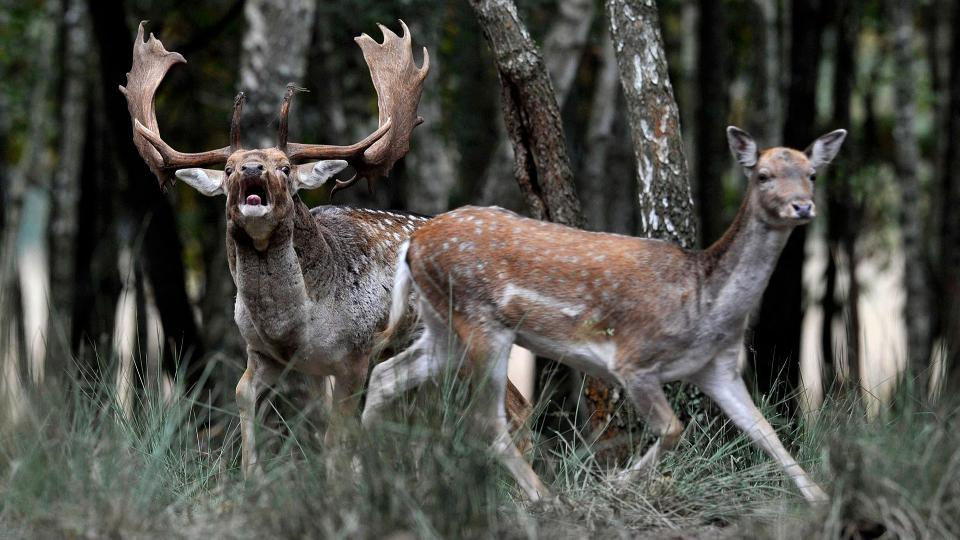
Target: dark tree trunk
(96, 279)
(916, 309)
(711, 113)
(148, 209)
(64, 218)
(950, 217)
(775, 355)
(531, 114)
(841, 222)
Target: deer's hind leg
(420, 362)
(488, 352)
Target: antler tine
(282, 130)
(235, 142)
(151, 61)
(399, 84)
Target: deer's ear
(206, 181)
(824, 149)
(314, 175)
(743, 147)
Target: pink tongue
(253, 200)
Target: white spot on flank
(511, 291)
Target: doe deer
(313, 286)
(635, 312)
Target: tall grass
(78, 468)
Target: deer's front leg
(651, 403)
(257, 377)
(723, 384)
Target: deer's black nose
(252, 168)
(803, 209)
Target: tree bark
(776, 334)
(271, 58)
(711, 111)
(916, 309)
(665, 202)
(531, 115)
(562, 51)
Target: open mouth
(253, 192)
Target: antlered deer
(313, 286)
(633, 311)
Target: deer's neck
(277, 284)
(738, 266)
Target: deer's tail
(399, 297)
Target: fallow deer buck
(313, 286)
(635, 312)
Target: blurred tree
(842, 212)
(431, 162)
(603, 108)
(775, 353)
(950, 217)
(769, 108)
(149, 215)
(916, 281)
(65, 189)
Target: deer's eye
(763, 177)
(813, 177)
(285, 169)
(228, 171)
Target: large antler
(150, 64)
(399, 83)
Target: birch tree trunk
(916, 309)
(665, 201)
(531, 115)
(274, 53)
(562, 50)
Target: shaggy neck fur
(273, 284)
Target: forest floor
(76, 466)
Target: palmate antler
(399, 84)
(150, 64)
(396, 78)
